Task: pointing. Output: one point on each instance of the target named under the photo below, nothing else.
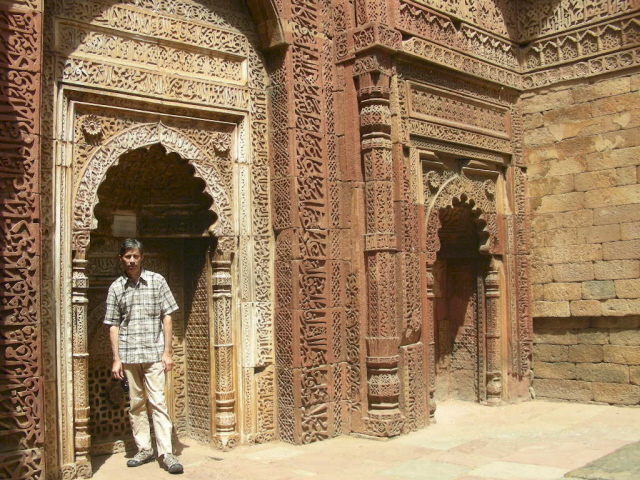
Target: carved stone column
(373, 73)
(225, 433)
(494, 363)
(80, 355)
(431, 339)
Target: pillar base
(225, 443)
(384, 423)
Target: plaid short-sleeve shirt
(137, 308)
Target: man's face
(132, 262)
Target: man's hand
(116, 370)
(167, 361)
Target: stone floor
(527, 441)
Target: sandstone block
(594, 336)
(573, 272)
(581, 218)
(566, 371)
(564, 389)
(616, 393)
(616, 269)
(537, 292)
(551, 353)
(582, 111)
(586, 308)
(551, 185)
(616, 214)
(550, 309)
(622, 354)
(627, 175)
(602, 372)
(549, 101)
(598, 290)
(628, 288)
(538, 136)
(616, 307)
(586, 353)
(554, 292)
(627, 249)
(532, 121)
(562, 237)
(619, 103)
(543, 274)
(604, 197)
(625, 337)
(570, 253)
(579, 147)
(621, 139)
(634, 375)
(558, 337)
(630, 231)
(595, 180)
(612, 322)
(599, 234)
(605, 88)
(544, 324)
(565, 202)
(623, 157)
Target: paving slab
(623, 464)
(538, 440)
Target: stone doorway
(460, 324)
(156, 197)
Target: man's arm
(116, 369)
(167, 328)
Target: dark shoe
(140, 458)
(172, 463)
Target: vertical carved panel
(22, 424)
(198, 349)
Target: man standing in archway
(139, 308)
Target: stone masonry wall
(582, 145)
(593, 359)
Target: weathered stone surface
(617, 394)
(564, 389)
(551, 309)
(593, 336)
(629, 249)
(598, 290)
(556, 337)
(602, 372)
(551, 353)
(626, 355)
(624, 337)
(586, 308)
(573, 272)
(566, 371)
(554, 292)
(629, 288)
(586, 353)
(616, 269)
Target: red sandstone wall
(582, 144)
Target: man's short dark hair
(129, 243)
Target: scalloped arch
(484, 199)
(141, 136)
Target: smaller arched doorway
(459, 318)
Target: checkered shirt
(138, 308)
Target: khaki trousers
(146, 382)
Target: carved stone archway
(199, 91)
(477, 190)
